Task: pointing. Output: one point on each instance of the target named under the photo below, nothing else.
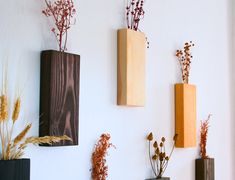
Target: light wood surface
(185, 115)
(131, 68)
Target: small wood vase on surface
(15, 169)
(205, 169)
(59, 95)
(185, 115)
(131, 68)
(163, 178)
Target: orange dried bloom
(99, 167)
(203, 138)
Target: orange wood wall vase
(185, 115)
(131, 68)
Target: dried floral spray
(62, 12)
(159, 159)
(99, 167)
(185, 58)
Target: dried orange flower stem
(99, 167)
(203, 138)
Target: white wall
(24, 32)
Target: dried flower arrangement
(99, 167)
(13, 148)
(159, 160)
(185, 57)
(203, 137)
(62, 12)
(134, 13)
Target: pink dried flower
(62, 12)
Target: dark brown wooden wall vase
(205, 169)
(59, 95)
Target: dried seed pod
(155, 145)
(150, 136)
(175, 137)
(157, 151)
(154, 157)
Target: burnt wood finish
(59, 95)
(15, 169)
(205, 169)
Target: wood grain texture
(59, 95)
(131, 68)
(205, 169)
(185, 115)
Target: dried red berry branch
(184, 57)
(99, 167)
(203, 139)
(134, 13)
(62, 12)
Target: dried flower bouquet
(13, 147)
(62, 12)
(185, 58)
(159, 159)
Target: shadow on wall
(232, 79)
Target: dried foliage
(203, 137)
(13, 148)
(185, 57)
(99, 167)
(159, 159)
(62, 12)
(134, 13)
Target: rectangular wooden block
(185, 115)
(205, 169)
(59, 95)
(131, 68)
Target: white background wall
(24, 32)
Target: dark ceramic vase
(205, 169)
(15, 169)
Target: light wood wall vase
(131, 68)
(185, 115)
(59, 96)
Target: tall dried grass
(13, 148)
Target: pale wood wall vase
(185, 115)
(59, 95)
(131, 68)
